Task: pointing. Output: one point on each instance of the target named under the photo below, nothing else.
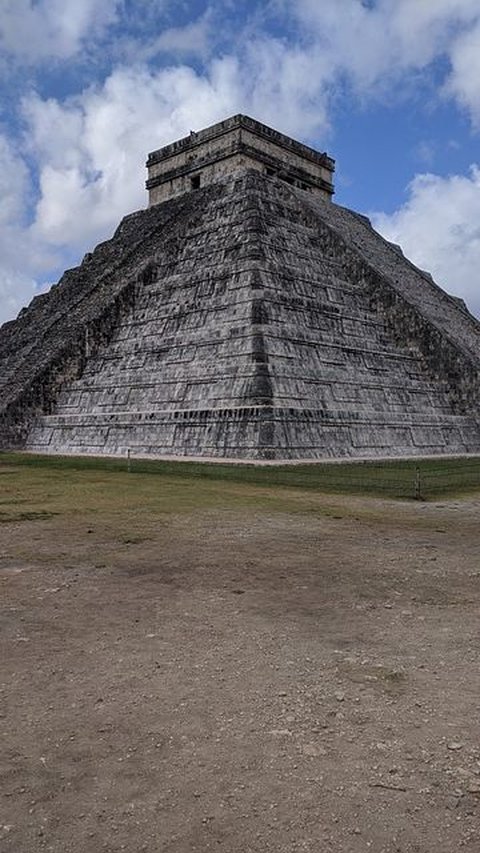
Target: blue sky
(390, 88)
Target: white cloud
(13, 183)
(191, 40)
(91, 150)
(464, 80)
(16, 290)
(286, 86)
(439, 230)
(374, 45)
(33, 31)
(18, 253)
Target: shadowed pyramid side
(184, 371)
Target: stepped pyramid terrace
(242, 315)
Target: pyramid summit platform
(243, 315)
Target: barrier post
(418, 484)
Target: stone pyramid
(248, 317)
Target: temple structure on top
(233, 145)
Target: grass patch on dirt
(426, 478)
(33, 515)
(134, 511)
(127, 499)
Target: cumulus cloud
(464, 81)
(91, 147)
(18, 253)
(192, 40)
(91, 150)
(32, 31)
(373, 45)
(16, 290)
(439, 230)
(88, 150)
(13, 183)
(286, 86)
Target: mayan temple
(242, 315)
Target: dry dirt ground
(213, 667)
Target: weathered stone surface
(245, 319)
(230, 146)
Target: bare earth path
(202, 666)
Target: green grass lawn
(426, 478)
